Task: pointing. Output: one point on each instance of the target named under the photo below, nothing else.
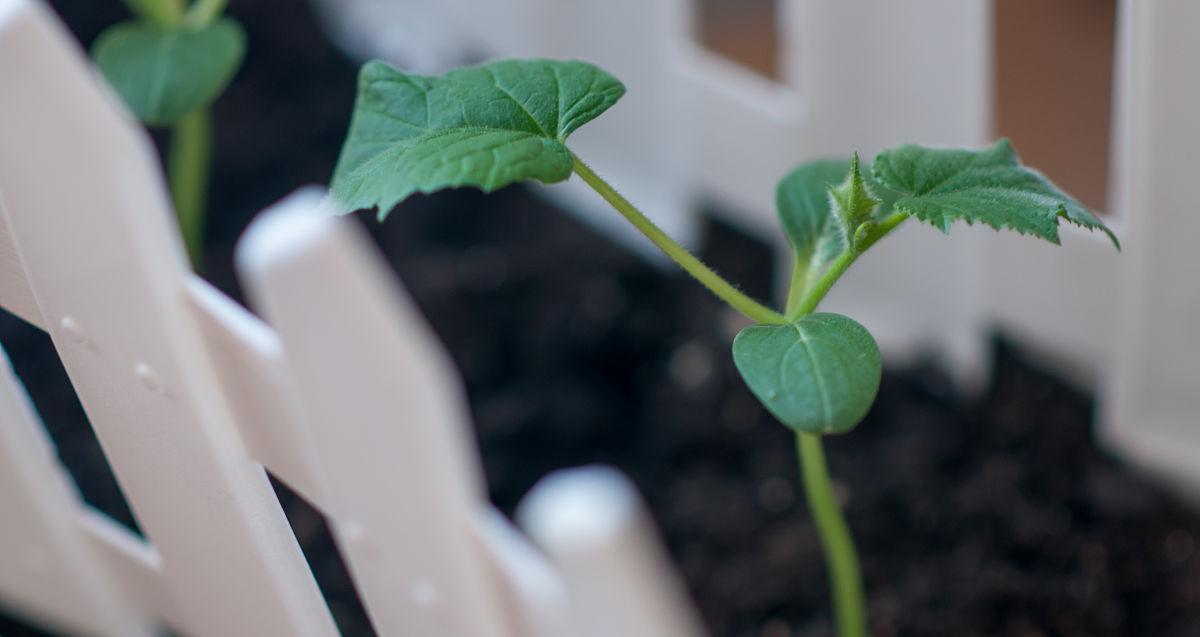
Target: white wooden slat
(385, 416)
(1061, 300)
(130, 565)
(593, 525)
(1151, 401)
(90, 219)
(530, 589)
(47, 569)
(249, 362)
(15, 295)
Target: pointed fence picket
(342, 393)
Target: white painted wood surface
(1152, 398)
(89, 217)
(593, 525)
(383, 418)
(345, 396)
(48, 568)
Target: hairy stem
(798, 286)
(752, 309)
(187, 169)
(849, 607)
(813, 296)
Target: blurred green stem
(187, 170)
(162, 12)
(204, 11)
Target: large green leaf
(988, 186)
(485, 126)
(819, 374)
(165, 73)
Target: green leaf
(165, 73)
(988, 186)
(802, 202)
(486, 126)
(819, 374)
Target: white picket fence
(863, 75)
(343, 394)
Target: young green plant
(168, 65)
(817, 373)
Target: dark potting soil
(993, 515)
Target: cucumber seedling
(818, 373)
(168, 65)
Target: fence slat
(130, 565)
(15, 295)
(47, 570)
(90, 219)
(384, 414)
(592, 523)
(531, 590)
(1151, 399)
(249, 362)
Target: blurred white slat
(48, 571)
(90, 220)
(593, 525)
(530, 588)
(15, 295)
(386, 420)
(1151, 402)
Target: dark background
(992, 514)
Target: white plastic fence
(343, 394)
(863, 75)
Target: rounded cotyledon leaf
(819, 374)
(164, 73)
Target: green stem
(849, 607)
(187, 169)
(161, 12)
(817, 292)
(798, 285)
(754, 310)
(204, 11)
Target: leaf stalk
(724, 290)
